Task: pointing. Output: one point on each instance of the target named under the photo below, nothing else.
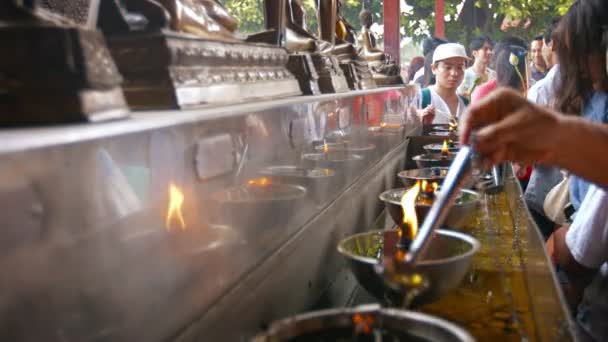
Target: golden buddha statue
(384, 70)
(297, 36)
(203, 18)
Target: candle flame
(176, 199)
(263, 181)
(445, 149)
(408, 205)
(363, 323)
(325, 147)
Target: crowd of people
(543, 104)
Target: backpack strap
(426, 98)
(464, 100)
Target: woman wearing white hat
(439, 103)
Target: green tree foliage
(418, 16)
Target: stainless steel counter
(87, 250)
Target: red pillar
(439, 21)
(391, 29)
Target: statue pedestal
(303, 68)
(55, 75)
(174, 70)
(331, 77)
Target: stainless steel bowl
(257, 206)
(436, 174)
(346, 146)
(433, 160)
(444, 265)
(436, 148)
(365, 150)
(319, 182)
(464, 207)
(341, 325)
(443, 134)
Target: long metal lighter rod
(459, 171)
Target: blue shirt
(595, 109)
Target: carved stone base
(386, 81)
(53, 75)
(172, 70)
(350, 72)
(331, 77)
(302, 67)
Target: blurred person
(510, 71)
(543, 92)
(507, 74)
(439, 103)
(416, 64)
(538, 68)
(544, 177)
(424, 76)
(479, 73)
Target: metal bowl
(340, 325)
(436, 148)
(443, 134)
(258, 206)
(364, 150)
(444, 265)
(346, 146)
(433, 159)
(464, 207)
(319, 182)
(436, 174)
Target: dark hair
(429, 78)
(430, 44)
(579, 36)
(507, 43)
(478, 42)
(538, 37)
(506, 75)
(415, 65)
(548, 35)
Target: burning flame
(445, 149)
(408, 205)
(176, 199)
(383, 124)
(325, 147)
(363, 323)
(264, 181)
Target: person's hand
(427, 115)
(506, 127)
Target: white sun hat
(449, 50)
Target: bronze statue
(55, 69)
(384, 70)
(309, 59)
(203, 18)
(188, 51)
(338, 32)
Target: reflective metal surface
(433, 160)
(392, 325)
(109, 231)
(511, 291)
(409, 177)
(444, 265)
(466, 202)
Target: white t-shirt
(470, 78)
(442, 110)
(587, 240)
(543, 92)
